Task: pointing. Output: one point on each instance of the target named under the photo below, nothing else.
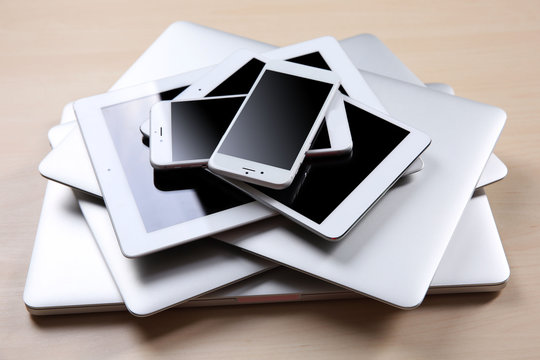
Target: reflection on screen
(325, 183)
(202, 193)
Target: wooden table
(53, 52)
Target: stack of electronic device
(314, 187)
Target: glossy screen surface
(276, 119)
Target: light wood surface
(52, 52)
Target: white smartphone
(185, 133)
(268, 138)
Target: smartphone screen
(276, 119)
(198, 125)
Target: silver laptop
(67, 273)
(29, 283)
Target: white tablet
(230, 79)
(382, 149)
(110, 126)
(147, 219)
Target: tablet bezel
(366, 193)
(133, 238)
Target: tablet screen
(322, 184)
(201, 193)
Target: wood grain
(56, 51)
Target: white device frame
(132, 236)
(366, 193)
(266, 174)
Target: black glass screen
(322, 184)
(197, 126)
(275, 121)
